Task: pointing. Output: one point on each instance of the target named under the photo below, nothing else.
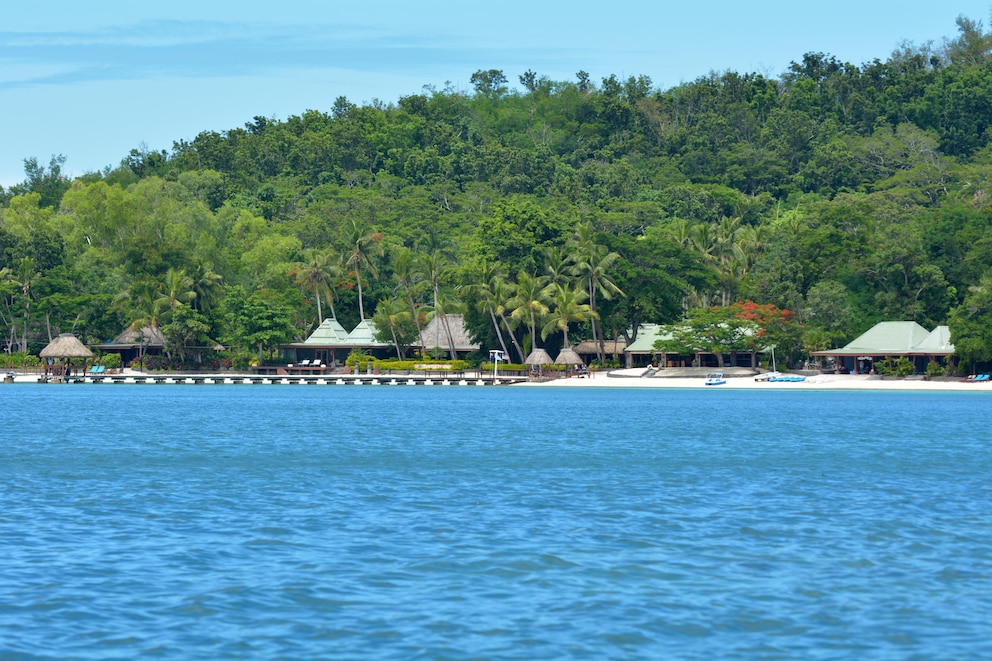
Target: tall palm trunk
(513, 339)
(361, 306)
(499, 333)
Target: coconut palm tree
(567, 306)
(318, 272)
(25, 276)
(390, 313)
(363, 245)
(593, 263)
(486, 286)
(435, 267)
(145, 308)
(208, 286)
(407, 273)
(530, 302)
(559, 265)
(176, 289)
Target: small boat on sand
(715, 379)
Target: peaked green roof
(329, 333)
(896, 338)
(938, 341)
(363, 335)
(647, 335)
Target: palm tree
(177, 289)
(530, 302)
(363, 245)
(146, 309)
(407, 273)
(593, 264)
(208, 287)
(568, 307)
(7, 289)
(318, 272)
(391, 312)
(26, 276)
(442, 308)
(558, 265)
(435, 267)
(486, 287)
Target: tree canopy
(846, 193)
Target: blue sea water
(415, 522)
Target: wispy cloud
(217, 49)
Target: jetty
(413, 379)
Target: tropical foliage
(555, 211)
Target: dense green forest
(546, 212)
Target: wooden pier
(293, 380)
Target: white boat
(767, 376)
(715, 379)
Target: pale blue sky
(94, 80)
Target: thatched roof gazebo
(60, 350)
(567, 356)
(66, 345)
(538, 357)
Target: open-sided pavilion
(892, 339)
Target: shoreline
(622, 378)
(817, 382)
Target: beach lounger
(304, 363)
(315, 363)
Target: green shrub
(19, 360)
(111, 360)
(935, 369)
(901, 367)
(413, 365)
(242, 361)
(509, 367)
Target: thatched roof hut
(591, 347)
(435, 336)
(538, 357)
(147, 336)
(567, 356)
(66, 345)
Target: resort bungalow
(892, 339)
(642, 352)
(434, 337)
(134, 344)
(329, 345)
(589, 349)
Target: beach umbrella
(66, 345)
(538, 358)
(567, 356)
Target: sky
(93, 80)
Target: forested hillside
(846, 194)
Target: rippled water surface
(404, 522)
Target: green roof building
(892, 339)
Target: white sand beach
(631, 378)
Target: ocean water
(416, 522)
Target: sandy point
(631, 378)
